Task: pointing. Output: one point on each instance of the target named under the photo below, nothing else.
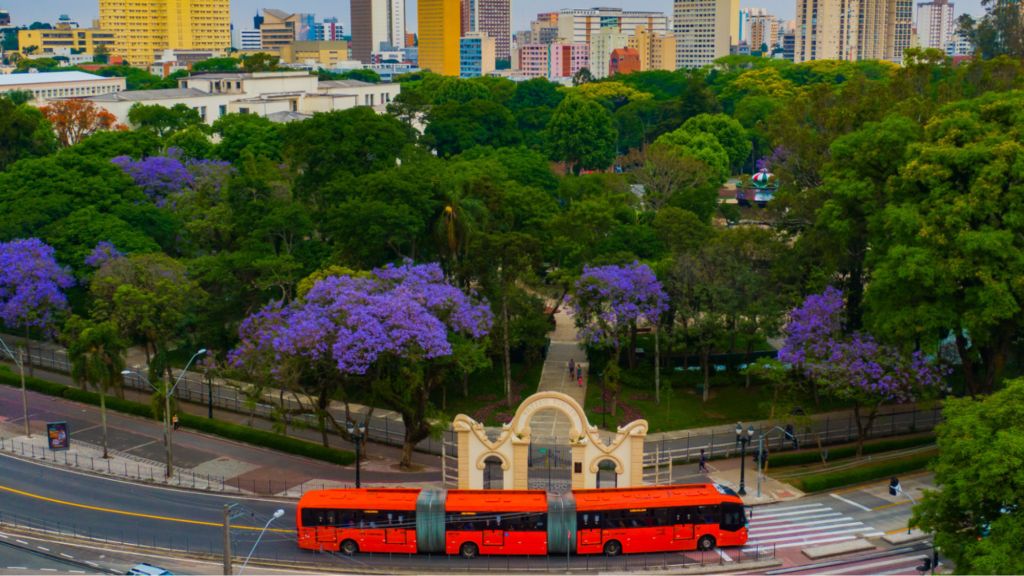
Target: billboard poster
(58, 435)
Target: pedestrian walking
(579, 371)
(703, 463)
(572, 367)
(581, 381)
(174, 421)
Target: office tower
(576, 26)
(762, 30)
(439, 24)
(375, 23)
(143, 29)
(246, 39)
(491, 17)
(655, 51)
(602, 44)
(281, 28)
(826, 30)
(476, 55)
(704, 30)
(745, 15)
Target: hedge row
(216, 427)
(858, 475)
(812, 456)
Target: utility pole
(167, 427)
(227, 540)
(24, 395)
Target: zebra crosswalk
(804, 525)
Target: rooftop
(136, 95)
(287, 116)
(46, 78)
(344, 84)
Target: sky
(242, 11)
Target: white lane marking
(770, 510)
(800, 519)
(16, 568)
(77, 571)
(92, 564)
(798, 524)
(794, 513)
(811, 529)
(827, 540)
(805, 536)
(21, 542)
(723, 554)
(66, 555)
(3, 536)
(41, 548)
(876, 564)
(48, 569)
(851, 503)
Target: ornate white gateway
(512, 446)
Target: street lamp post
(743, 438)
(760, 438)
(24, 395)
(276, 515)
(357, 433)
(167, 408)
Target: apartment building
(553, 60)
(745, 15)
(64, 36)
(655, 51)
(959, 45)
(576, 26)
(935, 24)
(762, 30)
(329, 30)
(704, 30)
(491, 17)
(439, 23)
(326, 53)
(826, 30)
(281, 28)
(476, 55)
(143, 29)
(623, 61)
(47, 86)
(789, 46)
(899, 28)
(602, 44)
(246, 39)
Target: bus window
(732, 516)
(708, 514)
(659, 517)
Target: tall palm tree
(460, 217)
(97, 356)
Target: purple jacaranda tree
(102, 253)
(163, 178)
(854, 367)
(609, 302)
(31, 295)
(391, 329)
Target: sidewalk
(555, 377)
(208, 461)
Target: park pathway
(551, 423)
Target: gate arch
(512, 446)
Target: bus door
(326, 522)
(682, 521)
(493, 533)
(396, 535)
(590, 528)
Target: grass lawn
(486, 387)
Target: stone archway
(512, 446)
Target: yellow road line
(898, 531)
(123, 513)
(891, 505)
(879, 483)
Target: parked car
(148, 570)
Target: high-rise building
(439, 25)
(329, 30)
(549, 18)
(143, 29)
(280, 28)
(410, 39)
(762, 30)
(49, 41)
(899, 25)
(704, 30)
(602, 44)
(242, 39)
(623, 61)
(789, 46)
(826, 30)
(553, 60)
(745, 15)
(959, 45)
(576, 26)
(491, 17)
(655, 51)
(375, 23)
(935, 23)
(476, 55)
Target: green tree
(247, 134)
(217, 65)
(973, 515)
(361, 75)
(162, 120)
(581, 135)
(260, 62)
(193, 143)
(582, 76)
(97, 355)
(409, 106)
(729, 133)
(501, 89)
(101, 54)
(109, 144)
(460, 91)
(454, 127)
(24, 133)
(682, 231)
(999, 32)
(538, 92)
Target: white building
(705, 30)
(576, 26)
(935, 24)
(64, 52)
(745, 15)
(47, 86)
(959, 45)
(601, 45)
(242, 39)
(760, 30)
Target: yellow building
(86, 39)
(657, 51)
(280, 28)
(439, 27)
(326, 53)
(145, 28)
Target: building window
(243, 110)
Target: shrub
(812, 456)
(224, 429)
(845, 478)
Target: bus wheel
(349, 547)
(469, 550)
(612, 548)
(706, 543)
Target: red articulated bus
(474, 522)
